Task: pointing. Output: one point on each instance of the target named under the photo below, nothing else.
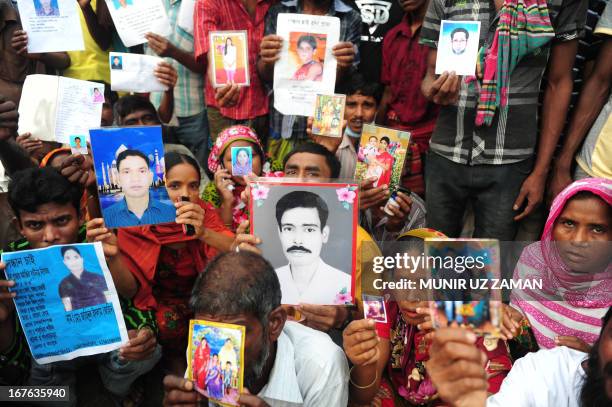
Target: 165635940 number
(34, 393)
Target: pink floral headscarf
(569, 303)
(227, 137)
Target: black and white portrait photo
(308, 233)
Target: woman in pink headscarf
(573, 262)
(224, 193)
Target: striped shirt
(15, 361)
(232, 15)
(512, 136)
(188, 96)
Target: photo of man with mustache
(303, 230)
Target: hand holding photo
(306, 65)
(229, 53)
(458, 47)
(78, 145)
(328, 116)
(135, 73)
(215, 360)
(135, 18)
(242, 161)
(129, 166)
(374, 308)
(307, 231)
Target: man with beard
(285, 362)
(553, 377)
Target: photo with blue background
(106, 143)
(71, 336)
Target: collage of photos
(303, 227)
(230, 63)
(129, 166)
(215, 361)
(381, 155)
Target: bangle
(358, 386)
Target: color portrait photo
(216, 360)
(381, 155)
(308, 232)
(230, 60)
(46, 8)
(307, 54)
(458, 47)
(129, 166)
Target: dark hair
(129, 104)
(310, 39)
(64, 249)
(302, 199)
(33, 187)
(131, 153)
(356, 84)
(237, 283)
(77, 138)
(460, 30)
(318, 149)
(385, 138)
(173, 159)
(593, 391)
(372, 137)
(225, 46)
(246, 150)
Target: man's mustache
(298, 249)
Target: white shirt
(309, 370)
(547, 378)
(323, 288)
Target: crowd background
(533, 165)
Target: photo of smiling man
(129, 166)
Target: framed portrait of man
(309, 234)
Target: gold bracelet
(358, 386)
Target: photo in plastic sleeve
(459, 267)
(215, 361)
(307, 55)
(78, 144)
(381, 155)
(328, 116)
(374, 308)
(230, 63)
(242, 161)
(66, 301)
(129, 167)
(458, 47)
(308, 233)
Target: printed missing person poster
(53, 108)
(134, 18)
(66, 301)
(134, 73)
(52, 25)
(306, 66)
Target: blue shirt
(118, 214)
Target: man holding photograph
(137, 207)
(303, 230)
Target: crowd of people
(519, 151)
